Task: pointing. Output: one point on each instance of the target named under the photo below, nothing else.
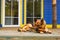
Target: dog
(26, 28)
(40, 26)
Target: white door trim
(3, 15)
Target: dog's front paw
(41, 32)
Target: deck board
(15, 35)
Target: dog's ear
(42, 21)
(35, 20)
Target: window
(33, 10)
(11, 15)
(11, 12)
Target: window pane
(36, 19)
(7, 8)
(7, 21)
(15, 21)
(33, 10)
(15, 8)
(11, 12)
(37, 8)
(30, 20)
(29, 8)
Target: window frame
(3, 10)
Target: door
(33, 10)
(11, 13)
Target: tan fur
(37, 23)
(26, 27)
(40, 26)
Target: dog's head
(38, 22)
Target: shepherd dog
(40, 26)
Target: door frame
(3, 15)
(42, 9)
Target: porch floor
(15, 35)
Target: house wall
(0, 11)
(58, 13)
(46, 12)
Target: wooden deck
(15, 35)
